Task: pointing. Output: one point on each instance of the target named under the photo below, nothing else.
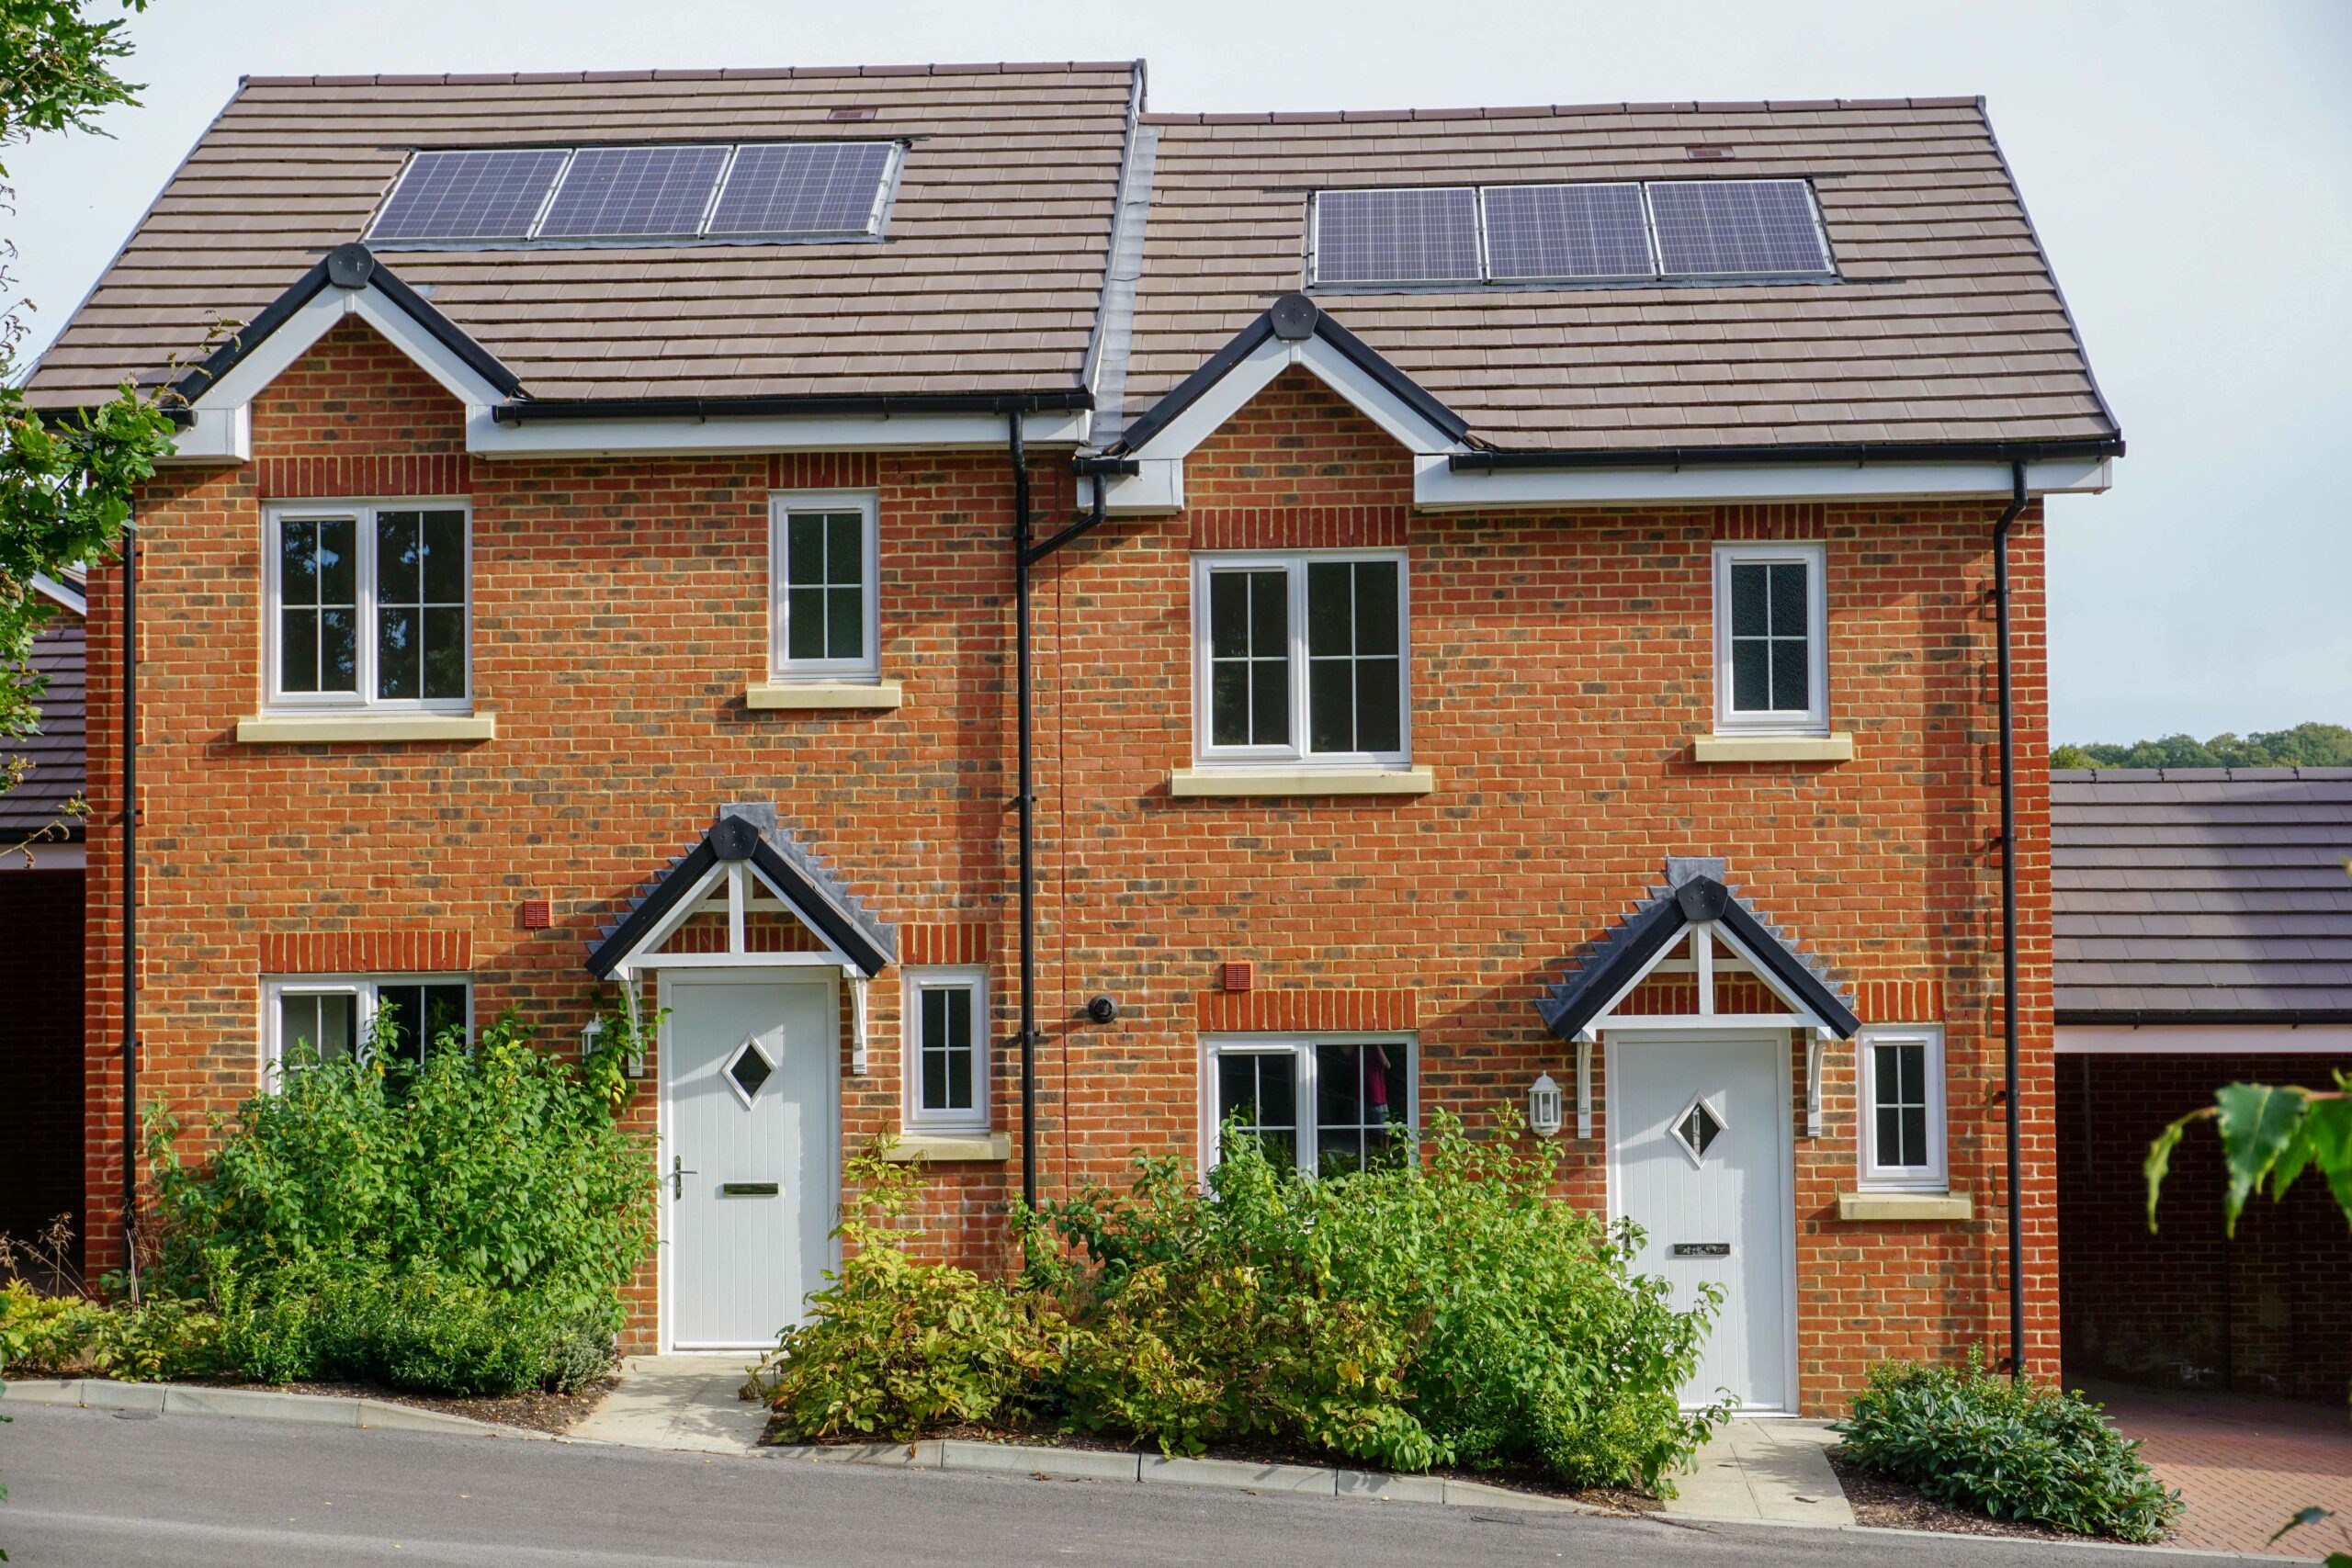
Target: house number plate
(1703, 1249)
(748, 1189)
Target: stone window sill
(780, 696)
(364, 728)
(1905, 1206)
(1772, 748)
(936, 1147)
(1205, 784)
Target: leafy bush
(161, 1338)
(2020, 1450)
(1445, 1310)
(465, 1227)
(1452, 1313)
(898, 1346)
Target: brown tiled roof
(58, 768)
(989, 280)
(1945, 326)
(2195, 892)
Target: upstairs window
(1301, 658)
(1903, 1142)
(826, 602)
(1616, 232)
(334, 1019)
(662, 192)
(946, 1051)
(369, 607)
(1771, 622)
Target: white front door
(1699, 1158)
(748, 1175)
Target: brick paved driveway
(2245, 1464)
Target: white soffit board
(1437, 488)
(653, 437)
(2206, 1039)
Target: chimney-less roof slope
(2202, 895)
(1946, 324)
(988, 280)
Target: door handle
(678, 1174)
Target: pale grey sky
(2188, 164)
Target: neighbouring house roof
(989, 279)
(2202, 895)
(59, 773)
(1608, 965)
(1945, 324)
(751, 833)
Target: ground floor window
(948, 1050)
(332, 1018)
(1903, 1107)
(1327, 1105)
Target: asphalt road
(95, 1490)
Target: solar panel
(1397, 236)
(805, 187)
(1567, 231)
(625, 193)
(468, 196)
(1723, 228)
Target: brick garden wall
(2263, 1314)
(1560, 671)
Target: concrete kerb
(248, 1405)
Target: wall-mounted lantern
(1544, 1107)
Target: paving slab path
(1766, 1469)
(690, 1402)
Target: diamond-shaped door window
(749, 1069)
(1697, 1129)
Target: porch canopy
(1697, 925)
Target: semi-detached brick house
(1526, 624)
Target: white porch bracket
(857, 984)
(1816, 1045)
(1584, 1085)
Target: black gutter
(885, 404)
(2009, 514)
(1818, 453)
(131, 905)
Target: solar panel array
(665, 192)
(803, 188)
(615, 193)
(1539, 232)
(1725, 228)
(491, 194)
(1611, 231)
(1397, 236)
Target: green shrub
(898, 1346)
(2013, 1450)
(1443, 1309)
(465, 1227)
(161, 1338)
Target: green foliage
(2015, 1449)
(2306, 746)
(161, 1338)
(2271, 1135)
(57, 66)
(1447, 1313)
(465, 1227)
(899, 1346)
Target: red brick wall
(2266, 1313)
(1560, 671)
(41, 1050)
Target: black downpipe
(1027, 800)
(2009, 915)
(131, 905)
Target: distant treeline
(2306, 746)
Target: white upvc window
(1902, 1108)
(824, 609)
(1301, 657)
(1327, 1104)
(369, 604)
(335, 1015)
(1772, 639)
(946, 1052)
